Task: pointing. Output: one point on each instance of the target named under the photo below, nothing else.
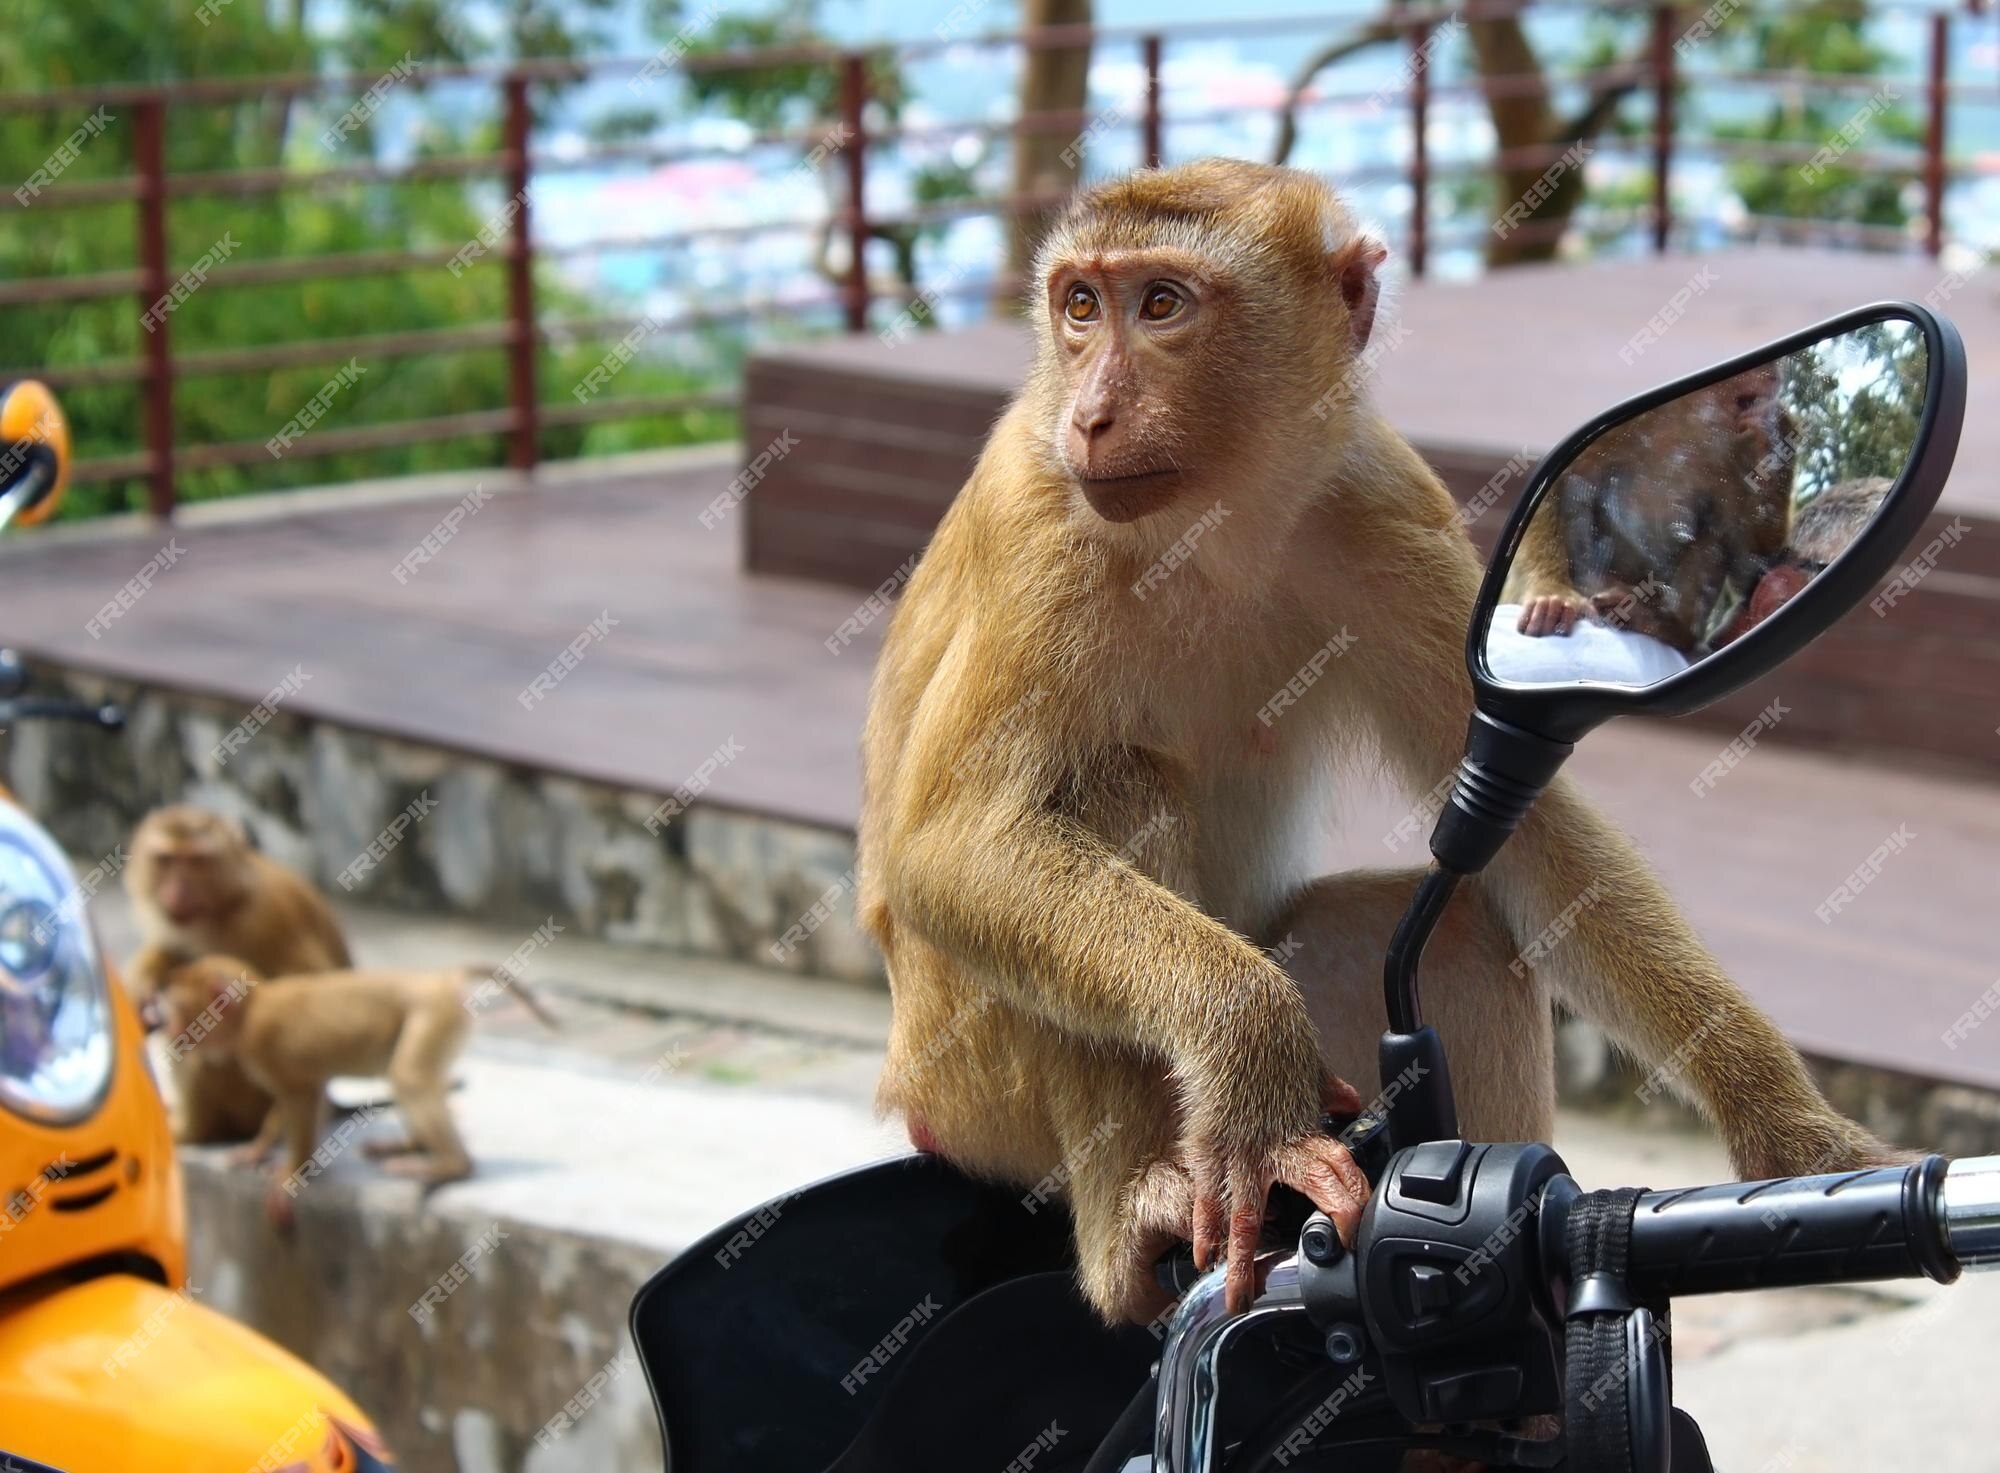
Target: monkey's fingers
(1545, 614)
(1209, 1217)
(1338, 1097)
(1328, 1176)
(1248, 1185)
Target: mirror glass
(1677, 531)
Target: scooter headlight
(55, 1011)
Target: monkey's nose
(1092, 421)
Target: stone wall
(450, 834)
(467, 1382)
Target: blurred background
(503, 428)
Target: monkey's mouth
(1128, 498)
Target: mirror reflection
(1679, 530)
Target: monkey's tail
(520, 989)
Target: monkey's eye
(1081, 304)
(1162, 301)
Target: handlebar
(1898, 1222)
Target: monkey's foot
(400, 1145)
(1836, 1144)
(250, 1155)
(431, 1171)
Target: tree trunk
(1051, 81)
(1521, 120)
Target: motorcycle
(107, 1360)
(903, 1316)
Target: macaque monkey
(1822, 528)
(291, 1035)
(198, 888)
(1194, 575)
(1665, 518)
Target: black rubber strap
(1597, 1413)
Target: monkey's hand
(1258, 1124)
(279, 1208)
(1550, 613)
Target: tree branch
(1595, 115)
(1373, 34)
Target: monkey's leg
(418, 1071)
(298, 1112)
(218, 1101)
(1128, 1214)
(261, 1145)
(441, 1155)
(1496, 1025)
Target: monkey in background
(291, 1035)
(1070, 1005)
(199, 888)
(1822, 528)
(1664, 519)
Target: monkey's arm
(1032, 899)
(1541, 580)
(1574, 891)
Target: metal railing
(152, 188)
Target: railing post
(1663, 126)
(149, 165)
(518, 121)
(1151, 50)
(853, 104)
(1934, 170)
(1420, 156)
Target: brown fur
(1716, 463)
(1077, 831)
(198, 888)
(292, 1035)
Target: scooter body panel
(117, 1373)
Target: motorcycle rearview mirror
(1669, 552)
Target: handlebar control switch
(1454, 1296)
(1434, 1172)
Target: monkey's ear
(1356, 267)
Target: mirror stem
(1503, 771)
(1416, 1093)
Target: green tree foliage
(1829, 38)
(49, 44)
(1857, 401)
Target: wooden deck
(702, 652)
(1479, 374)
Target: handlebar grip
(1849, 1227)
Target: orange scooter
(108, 1361)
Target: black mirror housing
(1522, 730)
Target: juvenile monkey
(1188, 507)
(293, 1034)
(1665, 517)
(198, 888)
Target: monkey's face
(200, 1002)
(187, 862)
(1203, 330)
(1134, 329)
